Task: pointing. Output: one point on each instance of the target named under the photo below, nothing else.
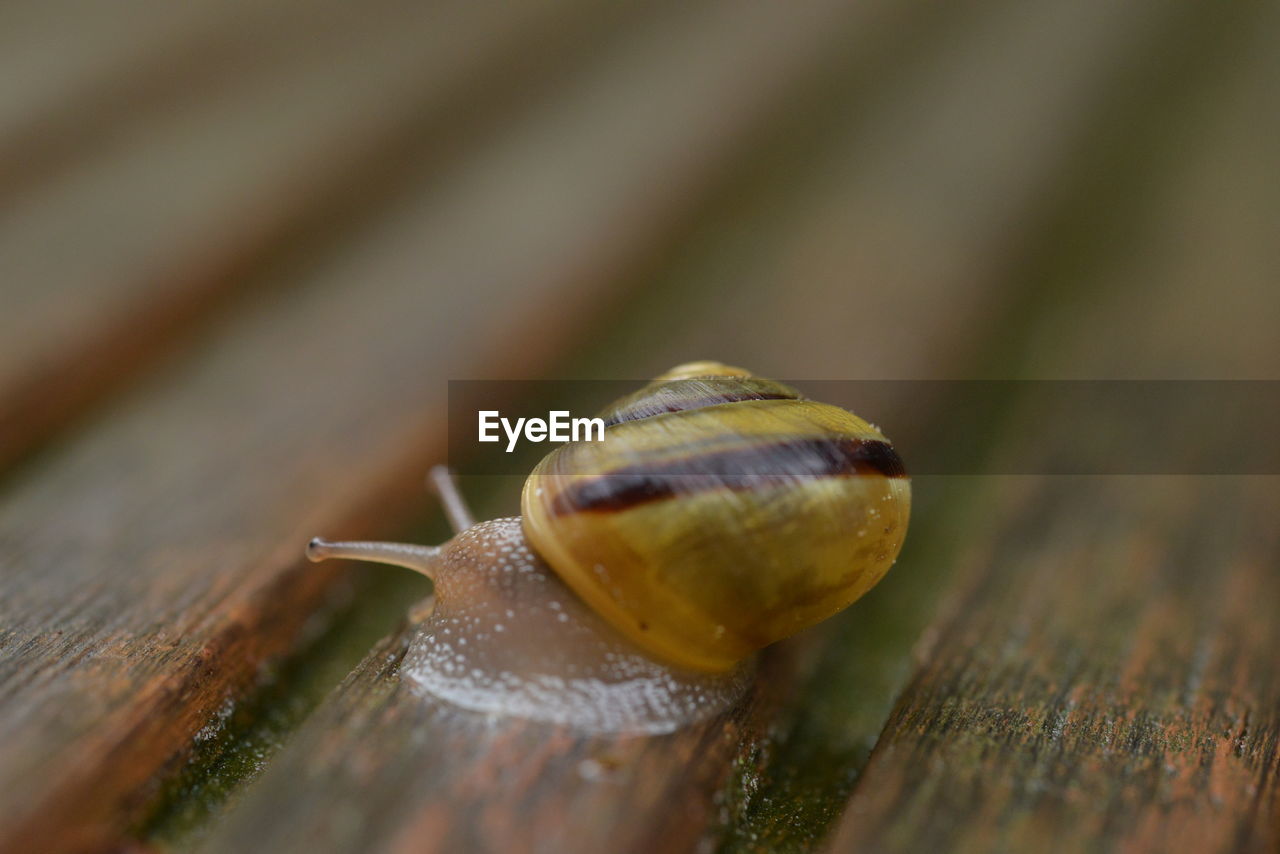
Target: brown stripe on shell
(742, 468)
(661, 406)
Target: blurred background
(840, 190)
(244, 246)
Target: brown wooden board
(380, 768)
(75, 72)
(1102, 675)
(431, 778)
(110, 262)
(152, 563)
(1108, 189)
(60, 61)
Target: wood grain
(63, 60)
(910, 278)
(151, 564)
(383, 768)
(885, 258)
(1102, 676)
(152, 230)
(379, 768)
(1093, 687)
(74, 73)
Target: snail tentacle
(442, 482)
(423, 559)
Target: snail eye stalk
(423, 559)
(440, 480)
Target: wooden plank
(1102, 677)
(54, 59)
(150, 565)
(609, 793)
(881, 262)
(789, 787)
(71, 73)
(380, 768)
(114, 261)
(879, 265)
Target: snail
(721, 512)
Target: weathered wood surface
(380, 768)
(1103, 673)
(151, 563)
(172, 207)
(1104, 196)
(74, 70)
(869, 190)
(1098, 686)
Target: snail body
(722, 512)
(507, 637)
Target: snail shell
(722, 512)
